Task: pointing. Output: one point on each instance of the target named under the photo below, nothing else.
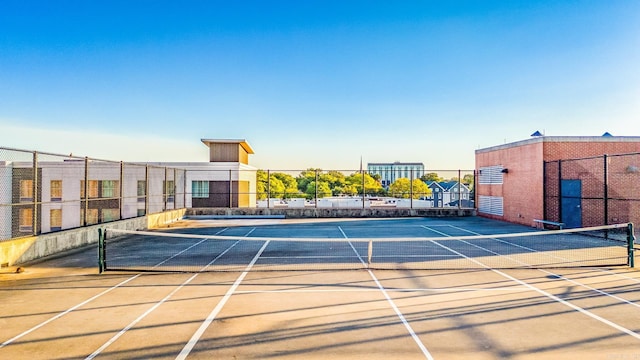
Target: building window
(26, 220)
(200, 189)
(169, 190)
(142, 190)
(26, 190)
(92, 216)
(56, 190)
(141, 212)
(93, 189)
(110, 188)
(55, 219)
(110, 215)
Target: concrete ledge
(329, 212)
(36, 248)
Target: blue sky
(314, 83)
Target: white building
(60, 198)
(390, 172)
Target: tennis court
(386, 288)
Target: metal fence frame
(610, 186)
(104, 190)
(167, 194)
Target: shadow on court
(62, 308)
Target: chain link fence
(593, 191)
(43, 193)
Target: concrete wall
(331, 212)
(29, 249)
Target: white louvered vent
(492, 205)
(491, 175)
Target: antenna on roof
(537, 133)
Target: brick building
(537, 178)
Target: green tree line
(312, 183)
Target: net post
(630, 243)
(101, 250)
(369, 252)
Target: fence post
(559, 191)
(121, 190)
(230, 190)
(606, 189)
(86, 190)
(363, 187)
(475, 189)
(101, 250)
(545, 190)
(184, 188)
(146, 190)
(165, 191)
(411, 188)
(630, 242)
(268, 189)
(459, 189)
(35, 194)
(316, 187)
(175, 188)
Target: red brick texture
(523, 186)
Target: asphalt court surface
(64, 309)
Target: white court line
(540, 291)
(406, 324)
(72, 309)
(602, 292)
(156, 305)
(444, 290)
(212, 316)
(65, 312)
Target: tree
(371, 185)
(403, 188)
(323, 190)
(431, 177)
(306, 177)
(289, 184)
(278, 185)
(261, 184)
(467, 179)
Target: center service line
(212, 316)
(165, 299)
(406, 324)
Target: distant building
(449, 194)
(390, 172)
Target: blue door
(571, 203)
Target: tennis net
(126, 250)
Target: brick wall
(523, 186)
